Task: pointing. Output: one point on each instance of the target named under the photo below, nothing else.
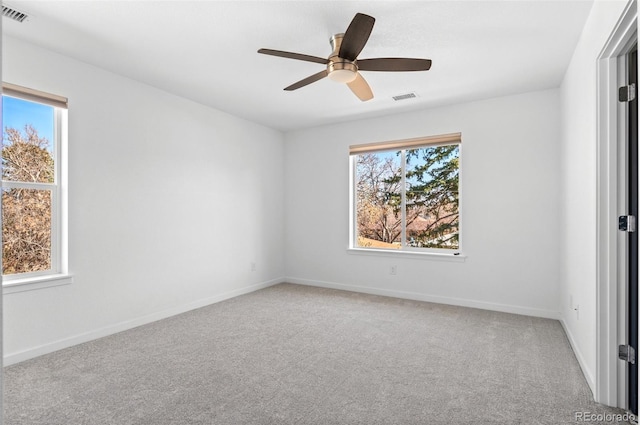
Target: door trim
(633, 253)
(609, 308)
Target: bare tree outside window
(378, 202)
(26, 212)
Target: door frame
(632, 254)
(611, 296)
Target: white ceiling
(206, 50)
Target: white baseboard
(505, 308)
(14, 358)
(583, 365)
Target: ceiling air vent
(14, 14)
(404, 96)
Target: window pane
(432, 197)
(27, 147)
(26, 230)
(379, 200)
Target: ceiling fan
(343, 65)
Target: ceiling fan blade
(311, 79)
(356, 36)
(394, 64)
(361, 88)
(290, 55)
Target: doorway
(628, 97)
(616, 382)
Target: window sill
(35, 282)
(431, 256)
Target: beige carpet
(299, 355)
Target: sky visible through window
(16, 113)
(396, 158)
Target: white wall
(579, 132)
(510, 207)
(170, 202)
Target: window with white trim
(34, 128)
(405, 195)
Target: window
(34, 124)
(405, 195)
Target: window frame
(403, 145)
(58, 273)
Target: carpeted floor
(299, 355)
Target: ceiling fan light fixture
(342, 71)
(342, 75)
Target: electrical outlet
(393, 270)
(253, 266)
(577, 310)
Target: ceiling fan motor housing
(339, 69)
